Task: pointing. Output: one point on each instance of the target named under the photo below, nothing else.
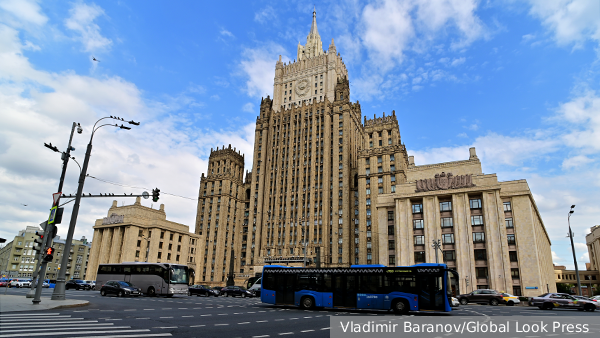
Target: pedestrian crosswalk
(65, 326)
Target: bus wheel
(400, 306)
(307, 303)
(151, 292)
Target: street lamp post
(573, 249)
(40, 270)
(59, 289)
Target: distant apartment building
(17, 258)
(593, 243)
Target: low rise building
(135, 233)
(589, 279)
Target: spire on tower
(314, 46)
(313, 27)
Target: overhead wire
(130, 186)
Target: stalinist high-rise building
(333, 188)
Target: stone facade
(593, 243)
(129, 232)
(491, 231)
(338, 188)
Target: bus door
(284, 288)
(431, 292)
(344, 291)
(127, 273)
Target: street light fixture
(573, 249)
(59, 289)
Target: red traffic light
(49, 251)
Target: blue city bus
(420, 287)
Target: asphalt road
(221, 317)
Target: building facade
(593, 243)
(491, 232)
(17, 258)
(135, 233)
(330, 187)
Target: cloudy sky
(519, 80)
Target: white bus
(152, 278)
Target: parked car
(92, 283)
(239, 291)
(596, 298)
(509, 299)
(45, 284)
(4, 282)
(20, 283)
(549, 301)
(218, 288)
(202, 290)
(119, 288)
(77, 284)
(482, 296)
(455, 302)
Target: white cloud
(21, 13)
(258, 66)
(576, 161)
(225, 32)
(583, 113)
(570, 21)
(82, 22)
(580, 246)
(265, 14)
(555, 257)
(585, 257)
(39, 106)
(248, 107)
(457, 62)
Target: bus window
(326, 282)
(371, 284)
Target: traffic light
(49, 255)
(155, 193)
(38, 241)
(53, 230)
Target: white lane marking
(308, 317)
(148, 309)
(262, 321)
(243, 323)
(130, 310)
(278, 320)
(130, 335)
(106, 327)
(186, 316)
(165, 327)
(221, 324)
(293, 318)
(325, 328)
(167, 308)
(144, 318)
(284, 333)
(29, 314)
(80, 332)
(206, 315)
(183, 308)
(197, 325)
(266, 335)
(7, 320)
(307, 331)
(165, 317)
(50, 323)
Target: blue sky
(519, 80)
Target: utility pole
(49, 229)
(59, 288)
(573, 249)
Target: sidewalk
(10, 303)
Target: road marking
(308, 317)
(293, 318)
(325, 328)
(167, 308)
(243, 323)
(148, 309)
(278, 320)
(262, 321)
(266, 335)
(186, 316)
(29, 314)
(221, 324)
(183, 308)
(131, 335)
(165, 327)
(131, 310)
(106, 327)
(144, 318)
(197, 325)
(284, 333)
(165, 317)
(307, 331)
(80, 332)
(206, 315)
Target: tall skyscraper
(332, 188)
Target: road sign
(55, 198)
(52, 215)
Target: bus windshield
(179, 275)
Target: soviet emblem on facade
(445, 181)
(113, 219)
(302, 87)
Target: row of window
(447, 206)
(478, 237)
(446, 222)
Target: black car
(119, 288)
(77, 284)
(239, 291)
(202, 290)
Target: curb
(70, 305)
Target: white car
(596, 298)
(455, 302)
(92, 283)
(20, 283)
(510, 300)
